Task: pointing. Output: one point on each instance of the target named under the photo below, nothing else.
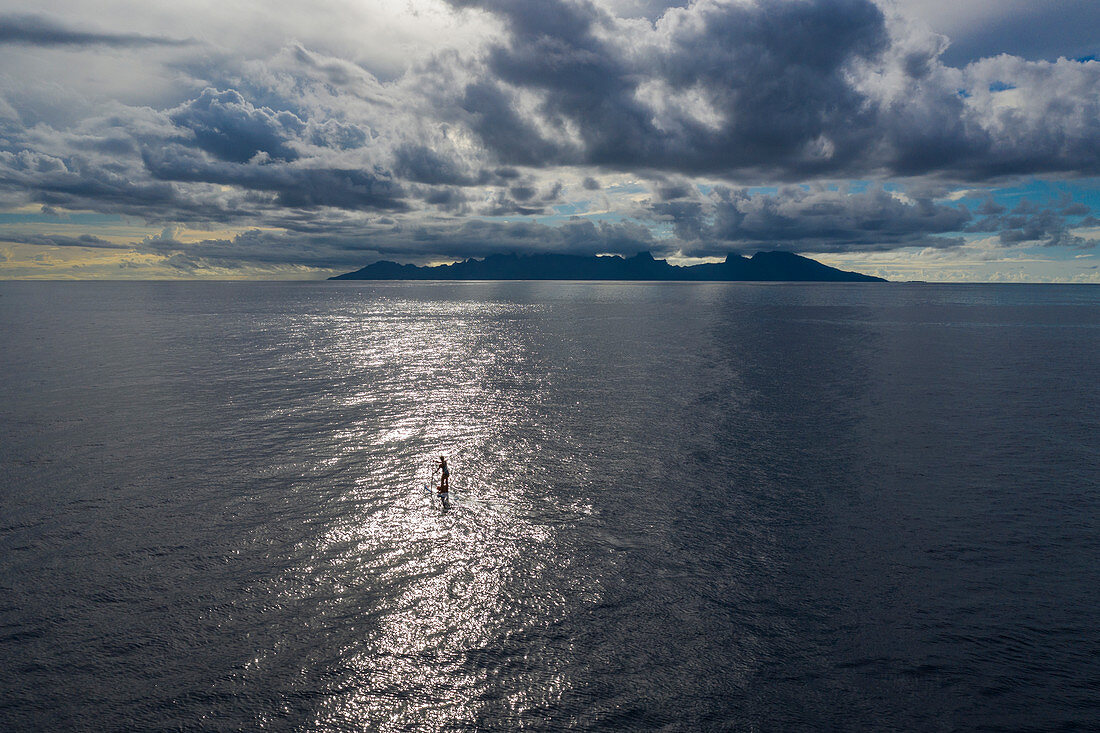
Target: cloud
(492, 113)
(808, 218)
(349, 247)
(776, 90)
(714, 88)
(58, 240)
(40, 30)
(216, 157)
(705, 127)
(76, 182)
(1019, 27)
(230, 128)
(1030, 222)
(424, 165)
(841, 218)
(292, 186)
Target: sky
(940, 140)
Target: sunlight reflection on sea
(427, 379)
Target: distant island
(762, 266)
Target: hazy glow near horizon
(910, 139)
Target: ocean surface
(682, 507)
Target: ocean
(675, 506)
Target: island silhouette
(762, 266)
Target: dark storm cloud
(215, 158)
(229, 127)
(809, 219)
(840, 219)
(447, 198)
(490, 111)
(174, 182)
(554, 52)
(39, 30)
(785, 89)
(776, 74)
(421, 164)
(669, 190)
(1031, 222)
(292, 186)
(77, 182)
(522, 193)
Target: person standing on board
(444, 479)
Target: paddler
(444, 486)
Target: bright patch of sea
(678, 506)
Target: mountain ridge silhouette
(761, 267)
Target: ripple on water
(700, 507)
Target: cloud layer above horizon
(253, 139)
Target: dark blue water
(677, 506)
